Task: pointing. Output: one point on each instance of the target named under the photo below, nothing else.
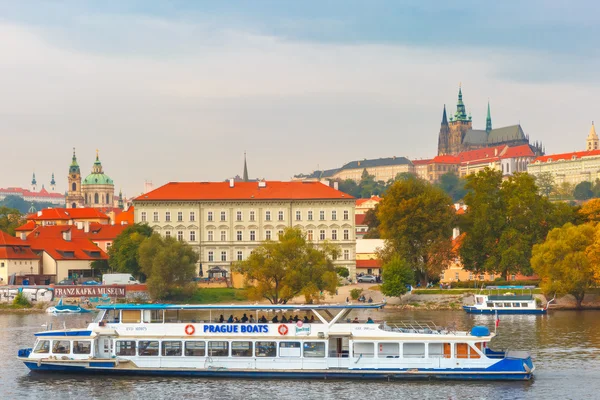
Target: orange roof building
(67, 216)
(16, 258)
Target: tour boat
(195, 340)
(508, 303)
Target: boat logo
(283, 330)
(303, 330)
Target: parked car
(119, 279)
(66, 282)
(367, 278)
(91, 282)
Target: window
(153, 316)
(346, 254)
(266, 349)
(240, 255)
(147, 348)
(209, 216)
(131, 317)
(96, 200)
(314, 349)
(438, 350)
(168, 216)
(192, 216)
(334, 234)
(42, 347)
(238, 216)
(179, 216)
(414, 350)
(195, 349)
(61, 347)
(238, 235)
(171, 348)
(223, 216)
(267, 235)
(241, 349)
(223, 236)
(298, 215)
(289, 349)
(167, 234)
(252, 236)
(192, 236)
(143, 216)
(252, 216)
(363, 350)
(210, 236)
(346, 215)
(223, 256)
(82, 347)
(218, 349)
(309, 234)
(321, 215)
(333, 215)
(267, 215)
(280, 216)
(211, 256)
(322, 234)
(456, 276)
(279, 233)
(388, 350)
(346, 234)
(155, 216)
(180, 236)
(310, 216)
(125, 348)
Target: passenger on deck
(236, 320)
(312, 319)
(305, 320)
(355, 320)
(251, 320)
(284, 319)
(263, 319)
(221, 319)
(230, 319)
(275, 319)
(245, 318)
(291, 319)
(296, 318)
(370, 321)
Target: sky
(179, 90)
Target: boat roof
(510, 287)
(264, 307)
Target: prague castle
(97, 190)
(457, 134)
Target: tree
(563, 263)
(545, 183)
(564, 191)
(280, 270)
(396, 274)
(100, 266)
(373, 223)
(23, 206)
(416, 219)
(583, 191)
(591, 211)
(168, 263)
(343, 272)
(10, 219)
(123, 254)
(452, 185)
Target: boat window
(130, 316)
(473, 353)
(111, 316)
(82, 347)
(218, 349)
(389, 350)
(289, 349)
(195, 349)
(463, 350)
(499, 305)
(43, 346)
(516, 304)
(241, 349)
(413, 350)
(171, 348)
(363, 349)
(61, 347)
(125, 348)
(153, 316)
(314, 349)
(490, 304)
(439, 350)
(147, 348)
(266, 349)
(190, 316)
(506, 304)
(171, 316)
(524, 305)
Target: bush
(496, 282)
(21, 301)
(343, 272)
(355, 293)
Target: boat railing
(424, 327)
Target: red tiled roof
(518, 151)
(568, 156)
(125, 217)
(374, 198)
(457, 242)
(8, 240)
(460, 211)
(368, 263)
(359, 219)
(12, 248)
(273, 190)
(421, 162)
(104, 232)
(66, 214)
(28, 226)
(28, 193)
(485, 154)
(445, 159)
(50, 240)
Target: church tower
(488, 120)
(33, 183)
(444, 135)
(592, 139)
(459, 125)
(53, 183)
(74, 198)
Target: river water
(565, 346)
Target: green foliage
(100, 266)
(453, 186)
(355, 293)
(495, 282)
(396, 275)
(417, 219)
(169, 264)
(563, 262)
(123, 254)
(583, 191)
(280, 270)
(23, 206)
(10, 219)
(21, 301)
(343, 272)
(545, 183)
(373, 223)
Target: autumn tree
(123, 254)
(590, 211)
(416, 220)
(10, 219)
(545, 183)
(281, 270)
(396, 275)
(372, 222)
(563, 261)
(169, 264)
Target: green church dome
(97, 177)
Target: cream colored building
(225, 221)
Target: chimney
(23, 236)
(86, 226)
(231, 182)
(79, 225)
(262, 184)
(336, 185)
(39, 213)
(67, 235)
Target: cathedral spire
(592, 139)
(245, 169)
(33, 183)
(460, 114)
(488, 120)
(444, 118)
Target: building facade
(225, 221)
(383, 169)
(97, 190)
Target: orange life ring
(189, 329)
(283, 330)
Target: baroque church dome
(97, 177)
